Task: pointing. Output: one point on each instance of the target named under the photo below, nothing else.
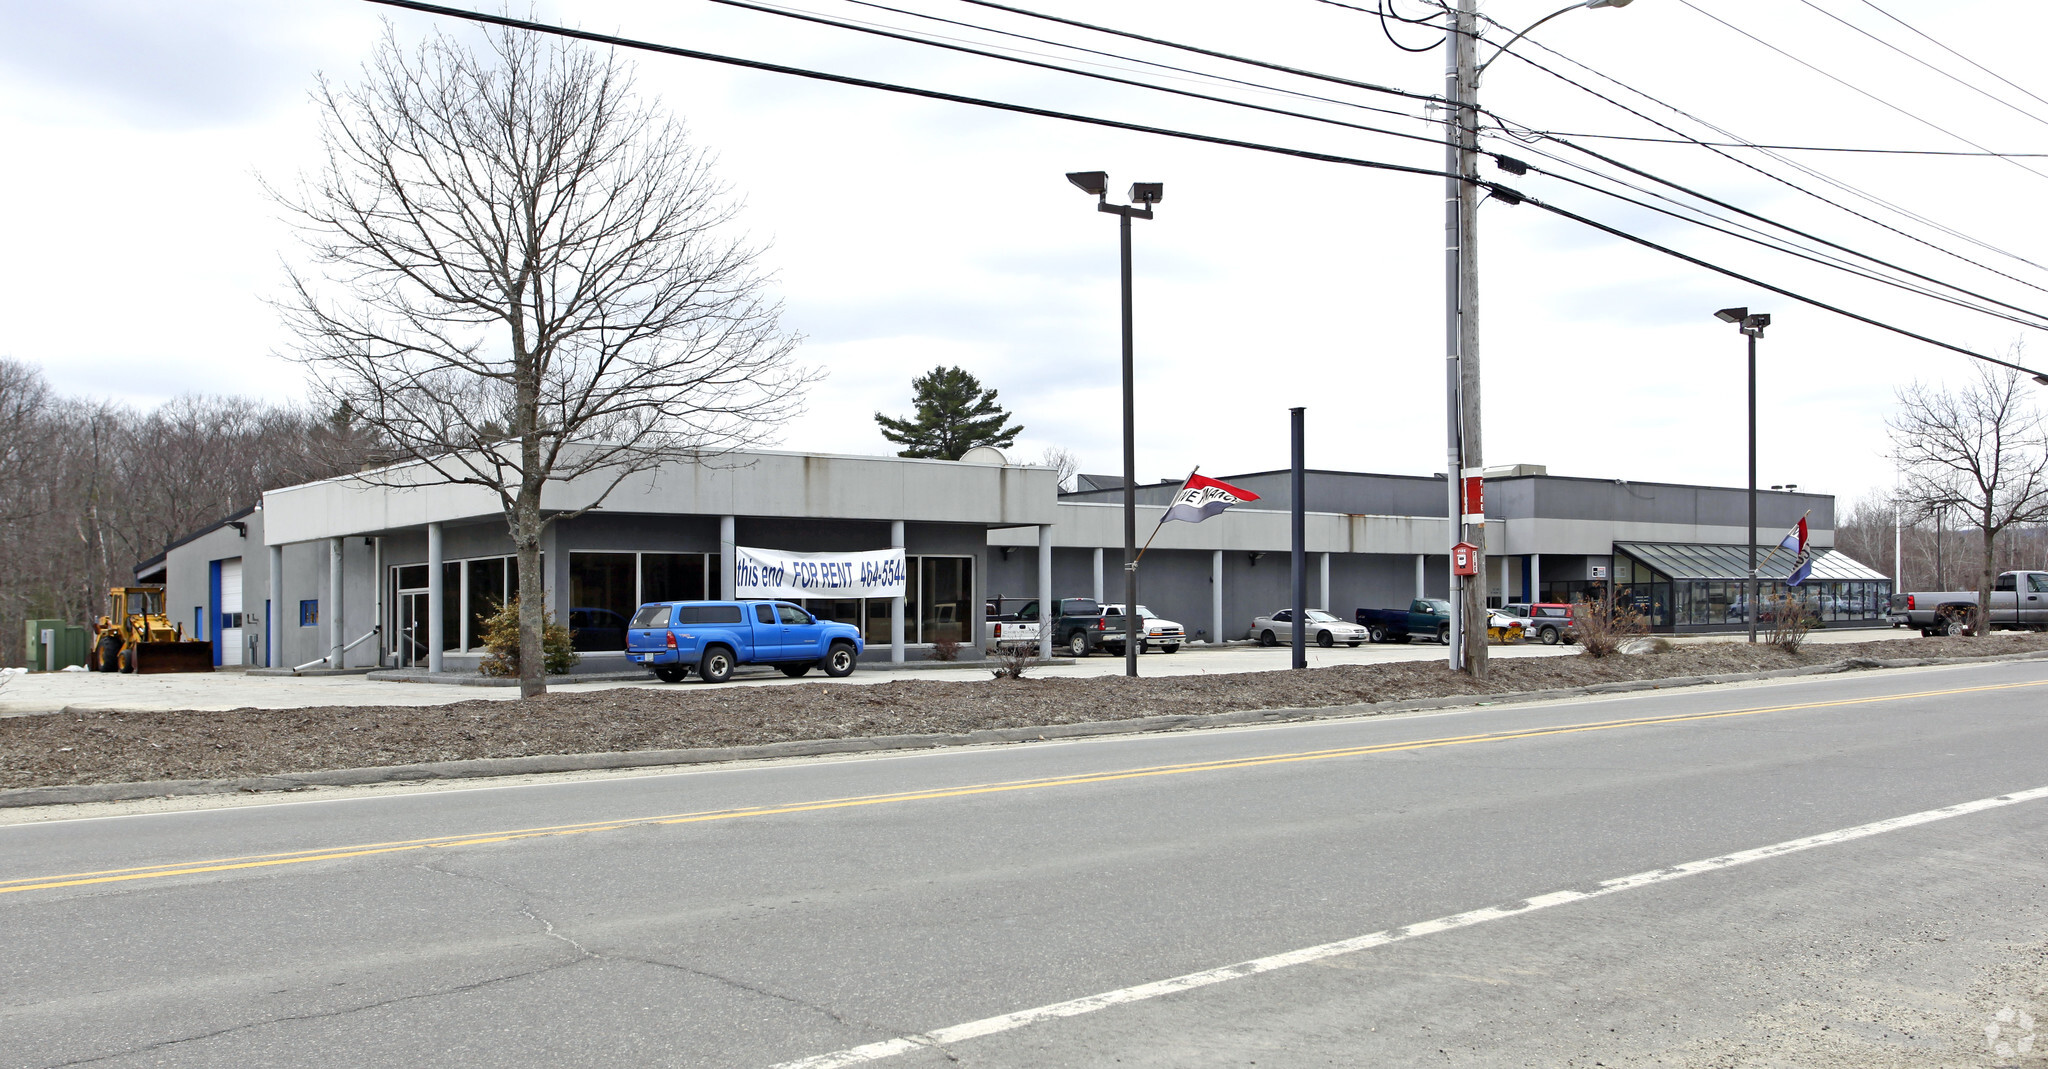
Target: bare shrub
(1604, 625)
(1790, 621)
(1012, 660)
(945, 649)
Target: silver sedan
(1323, 629)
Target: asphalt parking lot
(51, 692)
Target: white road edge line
(987, 1026)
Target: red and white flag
(1202, 497)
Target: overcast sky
(904, 233)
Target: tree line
(94, 487)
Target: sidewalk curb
(76, 794)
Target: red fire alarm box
(1465, 559)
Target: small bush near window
(945, 649)
(501, 644)
(1603, 625)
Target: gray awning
(1687, 561)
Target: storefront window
(948, 590)
(601, 599)
(486, 594)
(674, 577)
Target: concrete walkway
(49, 692)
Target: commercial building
(397, 571)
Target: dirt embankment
(116, 747)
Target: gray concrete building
(402, 572)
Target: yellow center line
(258, 861)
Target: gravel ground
(133, 746)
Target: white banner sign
(771, 573)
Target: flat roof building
(393, 570)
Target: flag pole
(1162, 517)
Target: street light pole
(1145, 194)
(1752, 327)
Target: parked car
(1322, 628)
(1503, 628)
(1427, 617)
(1550, 622)
(1157, 631)
(673, 638)
(596, 629)
(1010, 628)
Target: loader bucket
(157, 657)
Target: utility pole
(1461, 332)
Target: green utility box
(54, 644)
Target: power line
(805, 16)
(884, 32)
(1026, 12)
(1257, 86)
(1794, 148)
(1501, 192)
(1950, 51)
(1856, 88)
(1915, 216)
(1946, 74)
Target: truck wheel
(1325, 640)
(1550, 636)
(1443, 634)
(1376, 633)
(1266, 639)
(669, 674)
(1944, 625)
(1077, 644)
(795, 671)
(716, 667)
(839, 660)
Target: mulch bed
(118, 747)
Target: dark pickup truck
(1081, 627)
(1427, 617)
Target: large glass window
(601, 599)
(675, 577)
(485, 594)
(947, 590)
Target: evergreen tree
(954, 414)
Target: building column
(551, 565)
(1535, 577)
(896, 603)
(1047, 611)
(436, 639)
(1503, 587)
(1098, 575)
(1326, 584)
(335, 640)
(728, 560)
(1419, 588)
(275, 649)
(1216, 597)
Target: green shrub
(501, 642)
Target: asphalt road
(770, 914)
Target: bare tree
(523, 281)
(1062, 460)
(1982, 447)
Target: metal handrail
(344, 649)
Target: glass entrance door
(412, 629)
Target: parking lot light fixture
(1143, 196)
(1752, 327)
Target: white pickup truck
(2019, 600)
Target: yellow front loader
(138, 636)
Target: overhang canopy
(1685, 561)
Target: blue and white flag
(1796, 542)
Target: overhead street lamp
(1143, 196)
(1461, 320)
(1752, 327)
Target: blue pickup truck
(713, 637)
(1427, 617)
